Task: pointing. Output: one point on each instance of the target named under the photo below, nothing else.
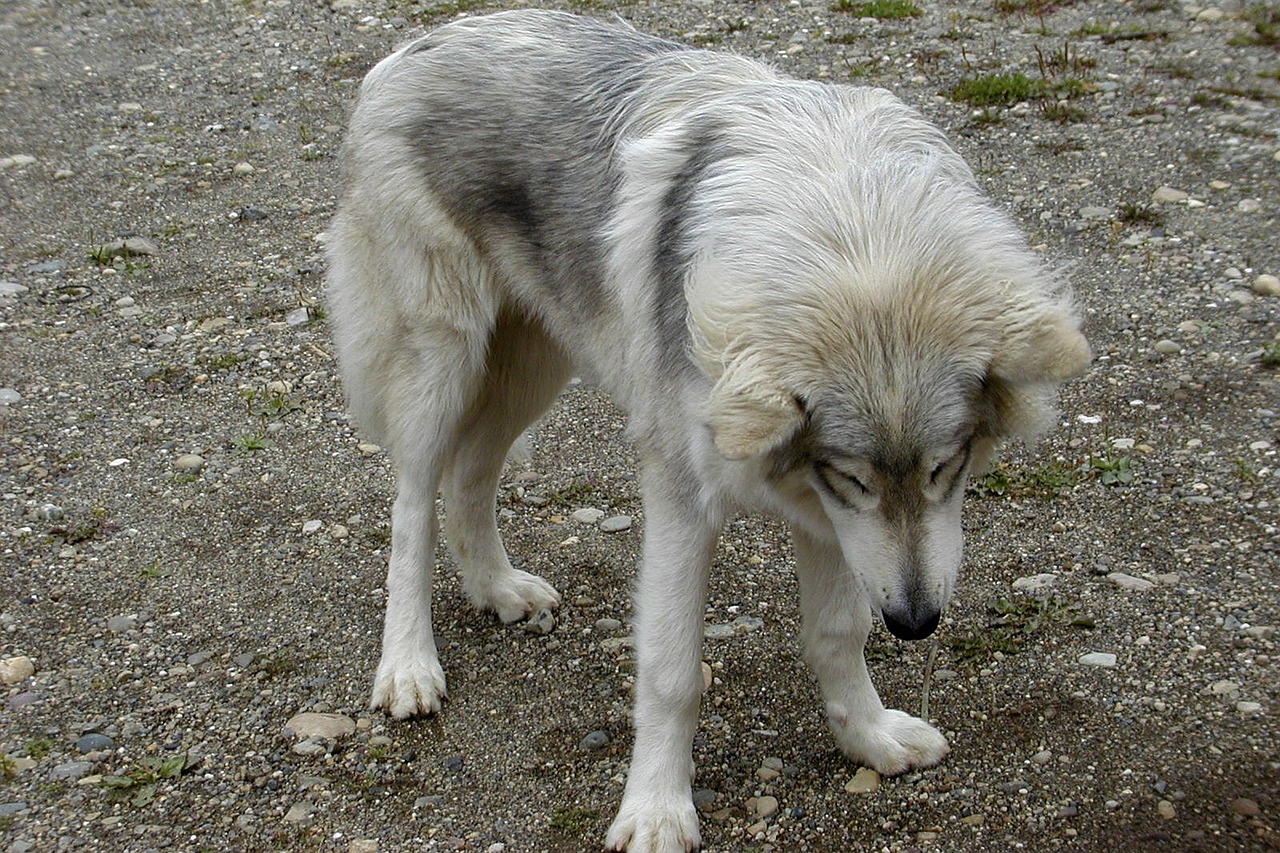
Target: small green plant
(1271, 354)
(1062, 112)
(997, 89)
(1141, 214)
(282, 661)
(8, 767)
(1011, 623)
(222, 361)
(138, 786)
(250, 443)
(1047, 480)
(574, 820)
(579, 492)
(882, 9)
(1112, 470)
(38, 748)
(1265, 18)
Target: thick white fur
(849, 265)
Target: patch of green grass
(38, 748)
(138, 786)
(151, 571)
(1265, 18)
(282, 661)
(574, 820)
(1010, 625)
(1062, 112)
(250, 444)
(578, 493)
(1112, 470)
(8, 767)
(1271, 354)
(1046, 480)
(1141, 214)
(222, 361)
(882, 9)
(998, 89)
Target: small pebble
(766, 807)
(94, 742)
(1166, 809)
(865, 781)
(1129, 582)
(594, 740)
(314, 725)
(243, 169)
(1168, 195)
(121, 624)
(1168, 347)
(587, 515)
(189, 462)
(542, 622)
(616, 524)
(1266, 285)
(1101, 659)
(313, 526)
(16, 669)
(1245, 807)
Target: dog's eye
(841, 484)
(950, 467)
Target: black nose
(911, 624)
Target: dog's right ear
(749, 416)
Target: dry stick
(928, 677)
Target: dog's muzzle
(912, 624)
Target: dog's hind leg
(524, 371)
(412, 327)
(837, 621)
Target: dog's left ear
(1048, 349)
(750, 415)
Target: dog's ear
(750, 416)
(1048, 349)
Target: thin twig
(928, 677)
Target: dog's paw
(891, 743)
(654, 828)
(408, 689)
(513, 595)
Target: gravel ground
(193, 536)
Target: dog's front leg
(837, 621)
(657, 813)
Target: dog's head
(876, 366)
(873, 439)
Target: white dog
(795, 290)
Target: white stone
(766, 807)
(243, 169)
(313, 526)
(1249, 205)
(189, 462)
(616, 524)
(1102, 659)
(16, 669)
(587, 515)
(1169, 195)
(865, 781)
(329, 726)
(1266, 285)
(1035, 583)
(1250, 709)
(1129, 582)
